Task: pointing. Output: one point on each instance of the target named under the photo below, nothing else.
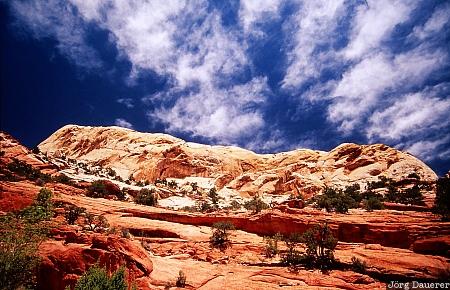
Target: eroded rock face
(65, 259)
(148, 156)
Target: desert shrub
(62, 178)
(220, 237)
(181, 280)
(19, 243)
(96, 223)
(97, 278)
(442, 201)
(103, 188)
(111, 172)
(146, 197)
(161, 181)
(320, 244)
(214, 196)
(358, 265)
(72, 212)
(271, 249)
(24, 169)
(382, 182)
(41, 208)
(256, 204)
(194, 186)
(373, 203)
(125, 233)
(338, 200)
(172, 184)
(353, 191)
(140, 183)
(412, 195)
(205, 207)
(292, 257)
(235, 205)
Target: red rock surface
(65, 260)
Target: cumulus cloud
(123, 123)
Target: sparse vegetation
(72, 213)
(29, 172)
(271, 249)
(442, 201)
(214, 196)
(146, 197)
(256, 204)
(181, 280)
(103, 188)
(97, 278)
(220, 238)
(41, 209)
(358, 265)
(172, 184)
(20, 237)
(96, 223)
(19, 242)
(338, 200)
(320, 244)
(62, 178)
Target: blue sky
(266, 75)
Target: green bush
(103, 188)
(181, 280)
(214, 196)
(373, 203)
(19, 243)
(97, 278)
(271, 249)
(442, 201)
(293, 257)
(256, 204)
(320, 244)
(29, 172)
(220, 237)
(62, 178)
(338, 200)
(72, 212)
(41, 209)
(146, 197)
(412, 195)
(96, 223)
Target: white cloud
(311, 27)
(222, 115)
(252, 12)
(123, 123)
(429, 150)
(127, 102)
(411, 116)
(363, 87)
(375, 22)
(434, 24)
(58, 19)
